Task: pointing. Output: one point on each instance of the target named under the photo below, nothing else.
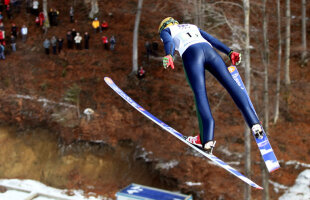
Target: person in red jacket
(41, 18)
(105, 42)
(7, 2)
(2, 37)
(104, 25)
(141, 73)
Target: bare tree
(94, 9)
(287, 43)
(198, 19)
(277, 100)
(135, 39)
(303, 33)
(265, 174)
(247, 139)
(46, 20)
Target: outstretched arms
(169, 48)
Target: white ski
(178, 135)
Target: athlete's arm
(165, 36)
(215, 42)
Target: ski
(178, 135)
(263, 144)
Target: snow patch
(43, 100)
(301, 189)
(297, 164)
(22, 189)
(193, 184)
(278, 186)
(167, 165)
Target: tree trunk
(198, 13)
(287, 43)
(135, 39)
(247, 139)
(303, 34)
(266, 96)
(46, 20)
(94, 9)
(277, 103)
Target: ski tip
(108, 80)
(259, 188)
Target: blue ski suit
(197, 58)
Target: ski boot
(258, 131)
(195, 140)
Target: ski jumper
(196, 49)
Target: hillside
(31, 73)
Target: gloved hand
(168, 61)
(235, 57)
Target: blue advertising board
(141, 192)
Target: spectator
(141, 73)
(2, 37)
(112, 42)
(37, 21)
(55, 14)
(46, 45)
(2, 52)
(104, 26)
(96, 25)
(9, 11)
(73, 33)
(50, 16)
(14, 30)
(60, 44)
(54, 45)
(13, 43)
(41, 18)
(69, 40)
(105, 42)
(28, 6)
(1, 26)
(1, 17)
(24, 32)
(78, 39)
(7, 2)
(16, 5)
(86, 40)
(71, 14)
(35, 7)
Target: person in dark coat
(69, 40)
(86, 40)
(14, 30)
(60, 44)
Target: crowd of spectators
(74, 39)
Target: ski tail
(264, 146)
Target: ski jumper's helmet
(169, 21)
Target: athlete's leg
(193, 61)
(218, 68)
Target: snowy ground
(301, 189)
(33, 190)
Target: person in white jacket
(24, 32)
(78, 39)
